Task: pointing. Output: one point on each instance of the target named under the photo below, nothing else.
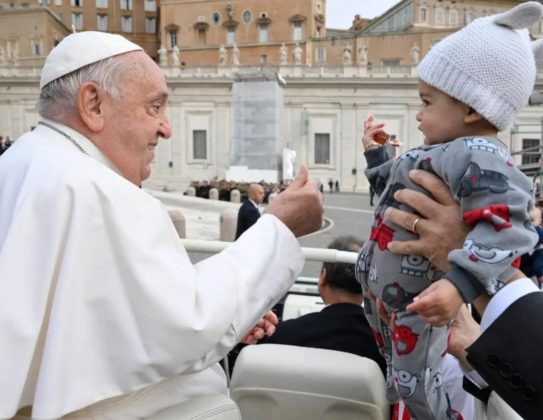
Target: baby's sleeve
(378, 168)
(495, 197)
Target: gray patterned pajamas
(495, 198)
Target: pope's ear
(471, 116)
(90, 106)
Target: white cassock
(98, 297)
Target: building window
(216, 18)
(199, 144)
(453, 17)
(322, 148)
(297, 31)
(150, 5)
(101, 22)
(470, 17)
(126, 23)
(172, 38)
(36, 47)
(533, 155)
(246, 16)
(318, 32)
(77, 20)
(150, 25)
(231, 35)
(202, 37)
(423, 15)
(126, 4)
(12, 49)
(101, 4)
(264, 59)
(76, 3)
(321, 55)
(440, 16)
(263, 34)
(58, 2)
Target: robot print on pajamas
(479, 143)
(396, 297)
(478, 252)
(477, 179)
(404, 339)
(417, 266)
(406, 382)
(410, 154)
(437, 380)
(381, 233)
(498, 215)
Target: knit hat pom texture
(489, 64)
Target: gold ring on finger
(414, 225)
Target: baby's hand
(371, 129)
(438, 303)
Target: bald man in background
(248, 212)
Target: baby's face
(441, 117)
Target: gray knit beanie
(489, 65)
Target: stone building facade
(195, 30)
(135, 19)
(259, 29)
(368, 69)
(28, 34)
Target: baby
(472, 85)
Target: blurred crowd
(225, 187)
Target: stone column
(228, 224)
(235, 196)
(178, 220)
(213, 194)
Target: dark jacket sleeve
(508, 356)
(247, 217)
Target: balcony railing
(310, 254)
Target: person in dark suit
(507, 351)
(341, 325)
(248, 212)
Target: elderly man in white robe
(102, 314)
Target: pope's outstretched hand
(299, 207)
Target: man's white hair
(58, 99)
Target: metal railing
(310, 254)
